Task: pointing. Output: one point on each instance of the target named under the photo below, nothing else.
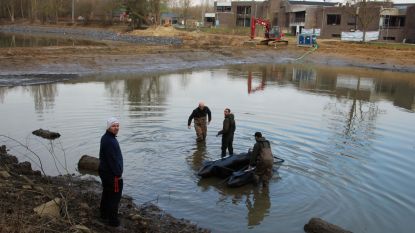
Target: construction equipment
(273, 34)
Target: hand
(188, 126)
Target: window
(299, 17)
(245, 10)
(223, 8)
(394, 21)
(333, 19)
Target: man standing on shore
(110, 172)
(199, 116)
(227, 132)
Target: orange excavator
(273, 34)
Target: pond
(8, 40)
(347, 136)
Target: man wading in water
(262, 158)
(199, 116)
(227, 132)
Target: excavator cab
(274, 33)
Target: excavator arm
(264, 22)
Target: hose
(314, 48)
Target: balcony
(299, 21)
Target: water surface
(22, 40)
(347, 137)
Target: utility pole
(73, 11)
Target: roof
(168, 15)
(311, 3)
(223, 4)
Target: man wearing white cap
(110, 172)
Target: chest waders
(200, 128)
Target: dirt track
(198, 50)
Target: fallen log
(318, 225)
(88, 164)
(46, 134)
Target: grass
(385, 45)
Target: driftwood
(318, 225)
(88, 164)
(46, 134)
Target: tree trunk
(10, 9)
(364, 35)
(21, 8)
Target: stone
(88, 164)
(46, 134)
(317, 225)
(26, 186)
(38, 188)
(4, 174)
(29, 181)
(51, 208)
(84, 205)
(81, 228)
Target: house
(394, 22)
(239, 13)
(293, 16)
(209, 19)
(168, 19)
(397, 23)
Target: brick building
(239, 13)
(395, 22)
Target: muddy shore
(22, 189)
(197, 50)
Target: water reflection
(44, 96)
(19, 40)
(255, 198)
(260, 206)
(195, 160)
(351, 84)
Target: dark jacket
(200, 113)
(110, 157)
(229, 125)
(262, 148)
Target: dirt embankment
(195, 50)
(22, 189)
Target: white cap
(111, 121)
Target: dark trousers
(227, 141)
(110, 199)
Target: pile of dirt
(194, 39)
(22, 190)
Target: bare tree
(365, 12)
(10, 7)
